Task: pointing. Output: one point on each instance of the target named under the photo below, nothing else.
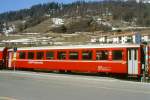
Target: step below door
(10, 60)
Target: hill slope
(131, 12)
(42, 27)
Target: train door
(132, 61)
(10, 60)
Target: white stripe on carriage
(102, 61)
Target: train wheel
(69, 71)
(61, 71)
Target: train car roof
(81, 47)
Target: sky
(12, 5)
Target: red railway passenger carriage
(3, 55)
(116, 58)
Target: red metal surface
(1, 59)
(3, 55)
(139, 61)
(82, 66)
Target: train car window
(39, 55)
(22, 55)
(143, 55)
(87, 55)
(117, 55)
(61, 55)
(129, 55)
(73, 55)
(49, 55)
(102, 55)
(30, 55)
(135, 56)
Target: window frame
(38, 52)
(50, 57)
(33, 55)
(117, 58)
(71, 51)
(24, 54)
(102, 54)
(58, 53)
(91, 56)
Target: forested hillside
(129, 11)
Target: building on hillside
(57, 21)
(8, 29)
(103, 39)
(123, 38)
